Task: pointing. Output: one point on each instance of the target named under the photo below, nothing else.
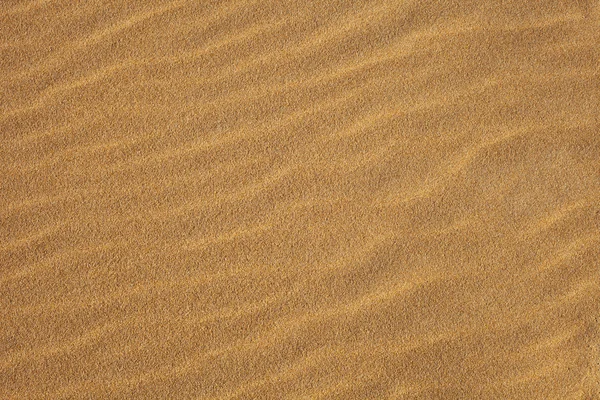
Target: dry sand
(299, 200)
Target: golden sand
(299, 199)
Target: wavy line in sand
(26, 7)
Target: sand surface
(299, 199)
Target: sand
(299, 200)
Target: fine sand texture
(276, 199)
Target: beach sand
(299, 200)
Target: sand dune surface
(328, 199)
